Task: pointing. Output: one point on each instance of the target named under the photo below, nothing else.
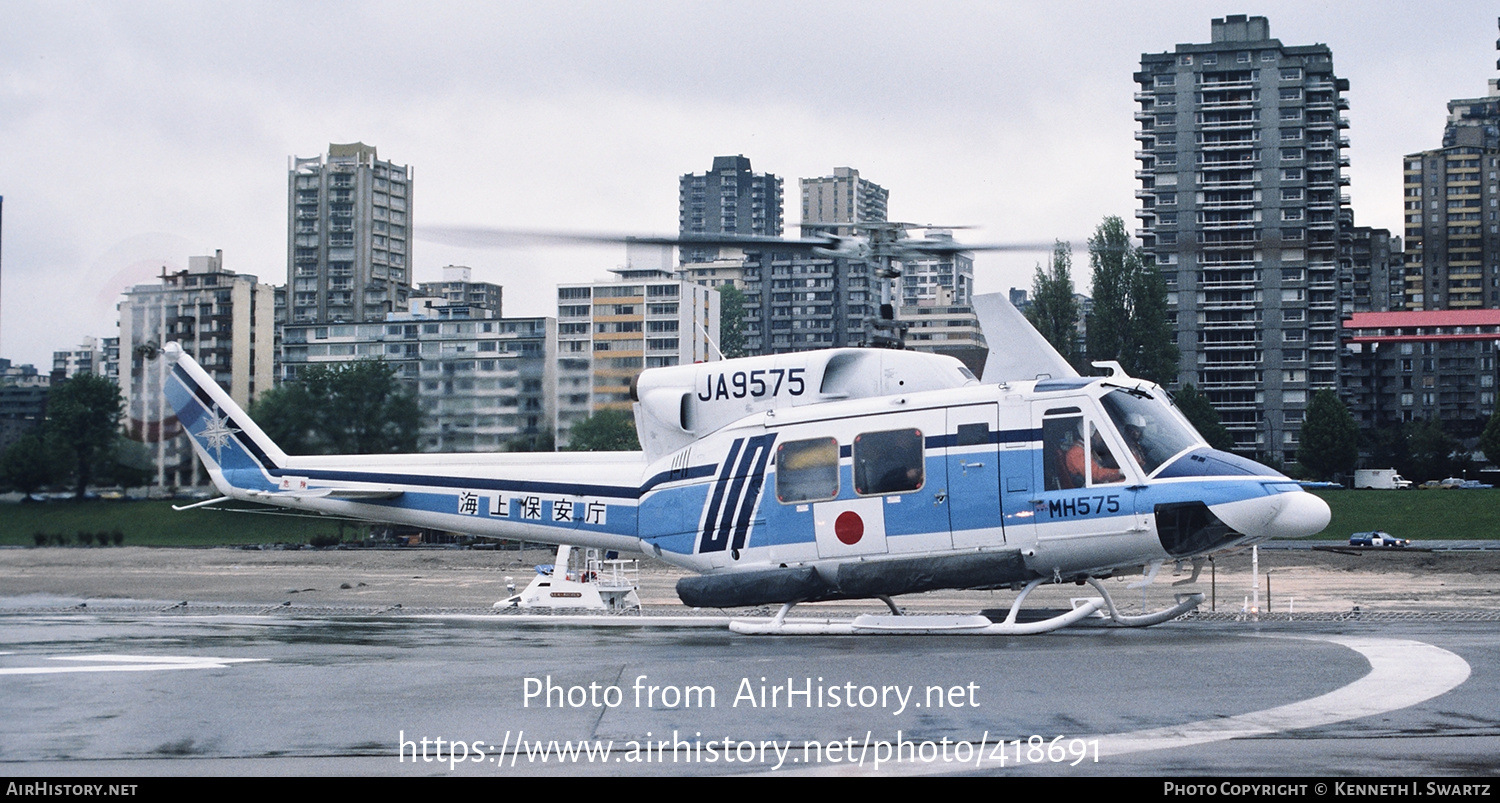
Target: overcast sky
(134, 135)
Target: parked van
(1381, 479)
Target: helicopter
(841, 474)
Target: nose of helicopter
(1301, 514)
(1290, 514)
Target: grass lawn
(1426, 515)
(157, 524)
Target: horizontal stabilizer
(332, 493)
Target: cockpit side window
(1075, 455)
(1058, 438)
(1104, 469)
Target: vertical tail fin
(1017, 350)
(236, 452)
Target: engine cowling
(680, 404)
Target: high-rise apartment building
(936, 280)
(224, 319)
(1475, 121)
(798, 301)
(23, 401)
(461, 295)
(88, 358)
(843, 197)
(1241, 146)
(348, 236)
(483, 383)
(22, 375)
(609, 331)
(720, 272)
(1433, 355)
(728, 199)
(1452, 223)
(934, 298)
(1372, 267)
(99, 356)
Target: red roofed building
(1409, 366)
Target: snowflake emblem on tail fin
(217, 433)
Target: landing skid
(897, 624)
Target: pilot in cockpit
(1097, 457)
(1134, 431)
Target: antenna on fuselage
(709, 338)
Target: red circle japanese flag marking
(849, 528)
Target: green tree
(1204, 418)
(1150, 353)
(604, 431)
(731, 321)
(1431, 449)
(83, 419)
(538, 442)
(357, 407)
(1054, 309)
(1111, 259)
(131, 465)
(1388, 447)
(1128, 321)
(29, 464)
(1330, 439)
(288, 416)
(1489, 440)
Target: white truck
(1380, 478)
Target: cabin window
(807, 471)
(1072, 459)
(888, 462)
(973, 434)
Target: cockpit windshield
(1152, 432)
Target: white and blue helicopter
(829, 475)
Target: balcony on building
(1234, 280)
(1236, 124)
(1229, 101)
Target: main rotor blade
(939, 247)
(486, 237)
(870, 225)
(492, 237)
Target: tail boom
(477, 494)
